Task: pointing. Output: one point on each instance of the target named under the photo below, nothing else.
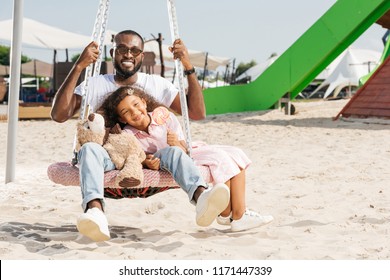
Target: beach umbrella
(36, 68)
(198, 58)
(4, 70)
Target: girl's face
(132, 111)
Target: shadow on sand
(249, 118)
(49, 240)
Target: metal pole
(233, 78)
(159, 41)
(225, 77)
(54, 79)
(16, 51)
(35, 74)
(204, 69)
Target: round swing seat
(155, 181)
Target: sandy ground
(325, 182)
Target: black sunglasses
(122, 50)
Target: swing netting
(67, 173)
(64, 173)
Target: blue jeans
(93, 161)
(182, 168)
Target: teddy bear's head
(91, 130)
(95, 122)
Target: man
(127, 55)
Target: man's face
(127, 54)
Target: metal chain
(179, 70)
(98, 34)
(101, 37)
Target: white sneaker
(225, 221)
(94, 225)
(250, 220)
(210, 203)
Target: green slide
(338, 28)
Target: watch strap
(190, 71)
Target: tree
(242, 67)
(75, 57)
(5, 56)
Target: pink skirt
(224, 162)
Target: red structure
(373, 98)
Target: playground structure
(385, 53)
(327, 38)
(373, 98)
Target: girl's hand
(172, 139)
(151, 162)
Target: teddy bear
(124, 149)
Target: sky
(243, 30)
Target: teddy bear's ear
(91, 117)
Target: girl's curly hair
(109, 106)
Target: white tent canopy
(44, 36)
(352, 65)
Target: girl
(157, 128)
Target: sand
(325, 182)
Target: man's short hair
(130, 32)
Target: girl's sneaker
(225, 221)
(250, 220)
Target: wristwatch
(190, 71)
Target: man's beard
(126, 74)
